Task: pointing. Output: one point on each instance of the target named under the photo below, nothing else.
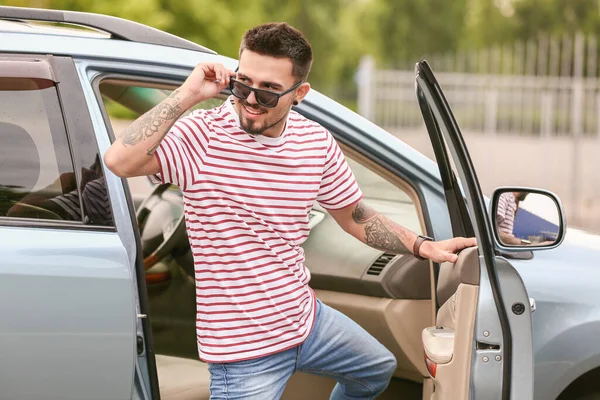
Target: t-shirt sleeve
(183, 150)
(501, 210)
(338, 187)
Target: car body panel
(566, 323)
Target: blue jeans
(337, 347)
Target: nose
(252, 98)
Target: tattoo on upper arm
(150, 123)
(380, 232)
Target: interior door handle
(532, 304)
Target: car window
(385, 197)
(37, 178)
(124, 102)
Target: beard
(255, 128)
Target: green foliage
(556, 17)
(395, 32)
(498, 21)
(116, 110)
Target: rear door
(483, 320)
(67, 313)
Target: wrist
(422, 243)
(187, 97)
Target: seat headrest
(19, 158)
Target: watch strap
(417, 246)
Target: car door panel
(66, 289)
(448, 344)
(494, 364)
(516, 299)
(68, 315)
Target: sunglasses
(265, 98)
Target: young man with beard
(250, 171)
(508, 205)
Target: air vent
(380, 263)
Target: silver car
(97, 280)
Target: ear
(301, 93)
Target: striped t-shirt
(505, 214)
(94, 197)
(247, 201)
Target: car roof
(70, 23)
(41, 28)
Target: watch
(417, 246)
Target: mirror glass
(524, 218)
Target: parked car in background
(97, 285)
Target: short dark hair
(278, 39)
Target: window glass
(385, 197)
(125, 102)
(37, 179)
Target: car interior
(428, 328)
(33, 149)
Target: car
(97, 281)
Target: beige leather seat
(182, 378)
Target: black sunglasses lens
(266, 99)
(239, 90)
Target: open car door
(481, 346)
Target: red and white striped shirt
(505, 214)
(247, 201)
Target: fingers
(444, 256)
(446, 250)
(469, 242)
(216, 73)
(222, 75)
(460, 243)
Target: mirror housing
(526, 219)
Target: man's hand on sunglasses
(205, 82)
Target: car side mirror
(526, 219)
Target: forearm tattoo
(362, 213)
(380, 232)
(152, 122)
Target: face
(268, 73)
(520, 196)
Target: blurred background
(520, 75)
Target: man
(250, 171)
(508, 205)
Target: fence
(544, 88)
